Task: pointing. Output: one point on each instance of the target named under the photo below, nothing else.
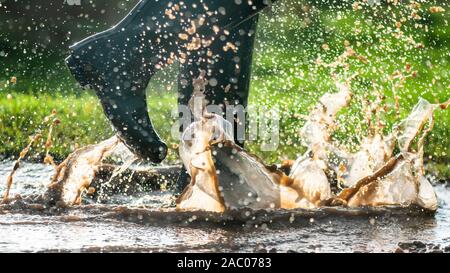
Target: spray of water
(224, 176)
(74, 175)
(52, 121)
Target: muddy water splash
(33, 140)
(23, 153)
(224, 176)
(402, 179)
(76, 173)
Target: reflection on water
(100, 228)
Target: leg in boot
(228, 71)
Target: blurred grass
(22, 115)
(286, 75)
(82, 122)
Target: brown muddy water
(147, 222)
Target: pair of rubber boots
(215, 36)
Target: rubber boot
(228, 71)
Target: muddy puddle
(148, 223)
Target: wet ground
(142, 226)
